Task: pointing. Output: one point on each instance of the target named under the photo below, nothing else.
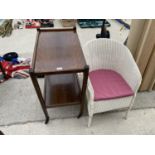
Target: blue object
(9, 56)
(123, 23)
(12, 57)
(1, 58)
(14, 61)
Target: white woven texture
(110, 54)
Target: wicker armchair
(111, 55)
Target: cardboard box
(68, 22)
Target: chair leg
(90, 120)
(127, 113)
(129, 109)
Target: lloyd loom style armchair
(114, 77)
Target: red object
(108, 84)
(32, 24)
(11, 69)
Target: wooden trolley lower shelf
(61, 90)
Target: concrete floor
(139, 121)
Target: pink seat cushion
(108, 84)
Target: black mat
(92, 23)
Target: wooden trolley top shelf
(57, 50)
